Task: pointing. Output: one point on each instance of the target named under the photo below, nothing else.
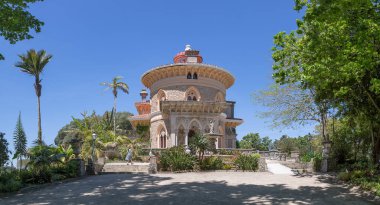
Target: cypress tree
(19, 139)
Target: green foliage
(3, 150)
(176, 159)
(41, 159)
(19, 140)
(227, 167)
(334, 54)
(286, 145)
(253, 141)
(9, 181)
(116, 85)
(200, 143)
(66, 170)
(16, 21)
(366, 179)
(247, 162)
(317, 162)
(211, 163)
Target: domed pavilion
(187, 97)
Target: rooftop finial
(188, 47)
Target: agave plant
(68, 153)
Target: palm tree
(33, 63)
(200, 143)
(116, 85)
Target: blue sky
(93, 41)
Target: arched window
(162, 139)
(192, 94)
(189, 75)
(195, 76)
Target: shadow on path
(151, 189)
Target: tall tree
(335, 52)
(19, 140)
(33, 63)
(4, 151)
(16, 23)
(251, 141)
(116, 85)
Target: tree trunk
(20, 162)
(39, 121)
(326, 143)
(114, 115)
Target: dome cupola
(188, 56)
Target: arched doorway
(194, 129)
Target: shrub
(9, 181)
(247, 162)
(344, 176)
(67, 170)
(317, 162)
(227, 167)
(211, 163)
(366, 179)
(176, 159)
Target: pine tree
(19, 139)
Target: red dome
(180, 57)
(183, 57)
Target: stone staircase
(122, 167)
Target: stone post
(325, 155)
(152, 165)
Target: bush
(176, 159)
(67, 170)
(344, 176)
(9, 181)
(247, 162)
(366, 179)
(211, 163)
(227, 167)
(317, 162)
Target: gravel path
(277, 168)
(193, 188)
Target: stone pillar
(173, 138)
(152, 165)
(325, 155)
(186, 137)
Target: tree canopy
(335, 52)
(16, 22)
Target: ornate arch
(192, 94)
(162, 136)
(161, 96)
(195, 123)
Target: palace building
(186, 98)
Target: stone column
(186, 137)
(173, 138)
